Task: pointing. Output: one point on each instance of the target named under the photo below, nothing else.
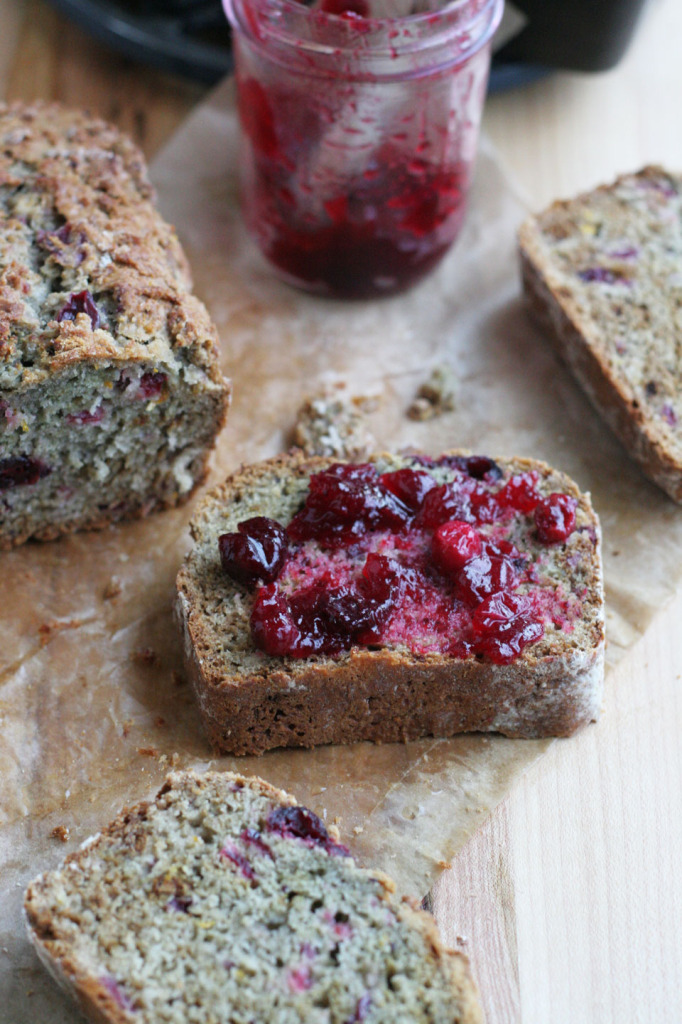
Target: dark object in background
(183, 37)
(577, 35)
(192, 37)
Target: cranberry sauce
(359, 130)
(381, 231)
(402, 558)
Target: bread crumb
(159, 721)
(148, 751)
(357, 830)
(60, 832)
(332, 424)
(436, 395)
(144, 656)
(127, 726)
(112, 589)
(48, 629)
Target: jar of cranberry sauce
(359, 133)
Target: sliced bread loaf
(603, 274)
(222, 900)
(403, 597)
(111, 394)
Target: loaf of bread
(110, 391)
(223, 900)
(603, 274)
(401, 598)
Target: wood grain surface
(569, 899)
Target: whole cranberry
(444, 503)
(409, 485)
(454, 544)
(272, 625)
(480, 466)
(503, 625)
(152, 384)
(80, 302)
(494, 570)
(256, 553)
(520, 494)
(300, 823)
(21, 470)
(555, 518)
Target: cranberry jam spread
(402, 558)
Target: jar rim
(438, 39)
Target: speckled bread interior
(110, 390)
(602, 274)
(196, 908)
(251, 702)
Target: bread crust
(385, 695)
(582, 345)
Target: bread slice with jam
(328, 602)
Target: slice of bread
(426, 671)
(223, 900)
(603, 274)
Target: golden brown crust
(87, 215)
(388, 695)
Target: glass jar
(359, 134)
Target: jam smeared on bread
(417, 597)
(397, 557)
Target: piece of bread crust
(111, 394)
(149, 921)
(601, 274)
(251, 702)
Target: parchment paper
(93, 706)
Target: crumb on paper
(159, 721)
(49, 629)
(333, 424)
(438, 394)
(112, 589)
(357, 830)
(174, 759)
(444, 865)
(127, 726)
(177, 678)
(144, 656)
(461, 940)
(148, 751)
(60, 832)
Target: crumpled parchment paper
(93, 706)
